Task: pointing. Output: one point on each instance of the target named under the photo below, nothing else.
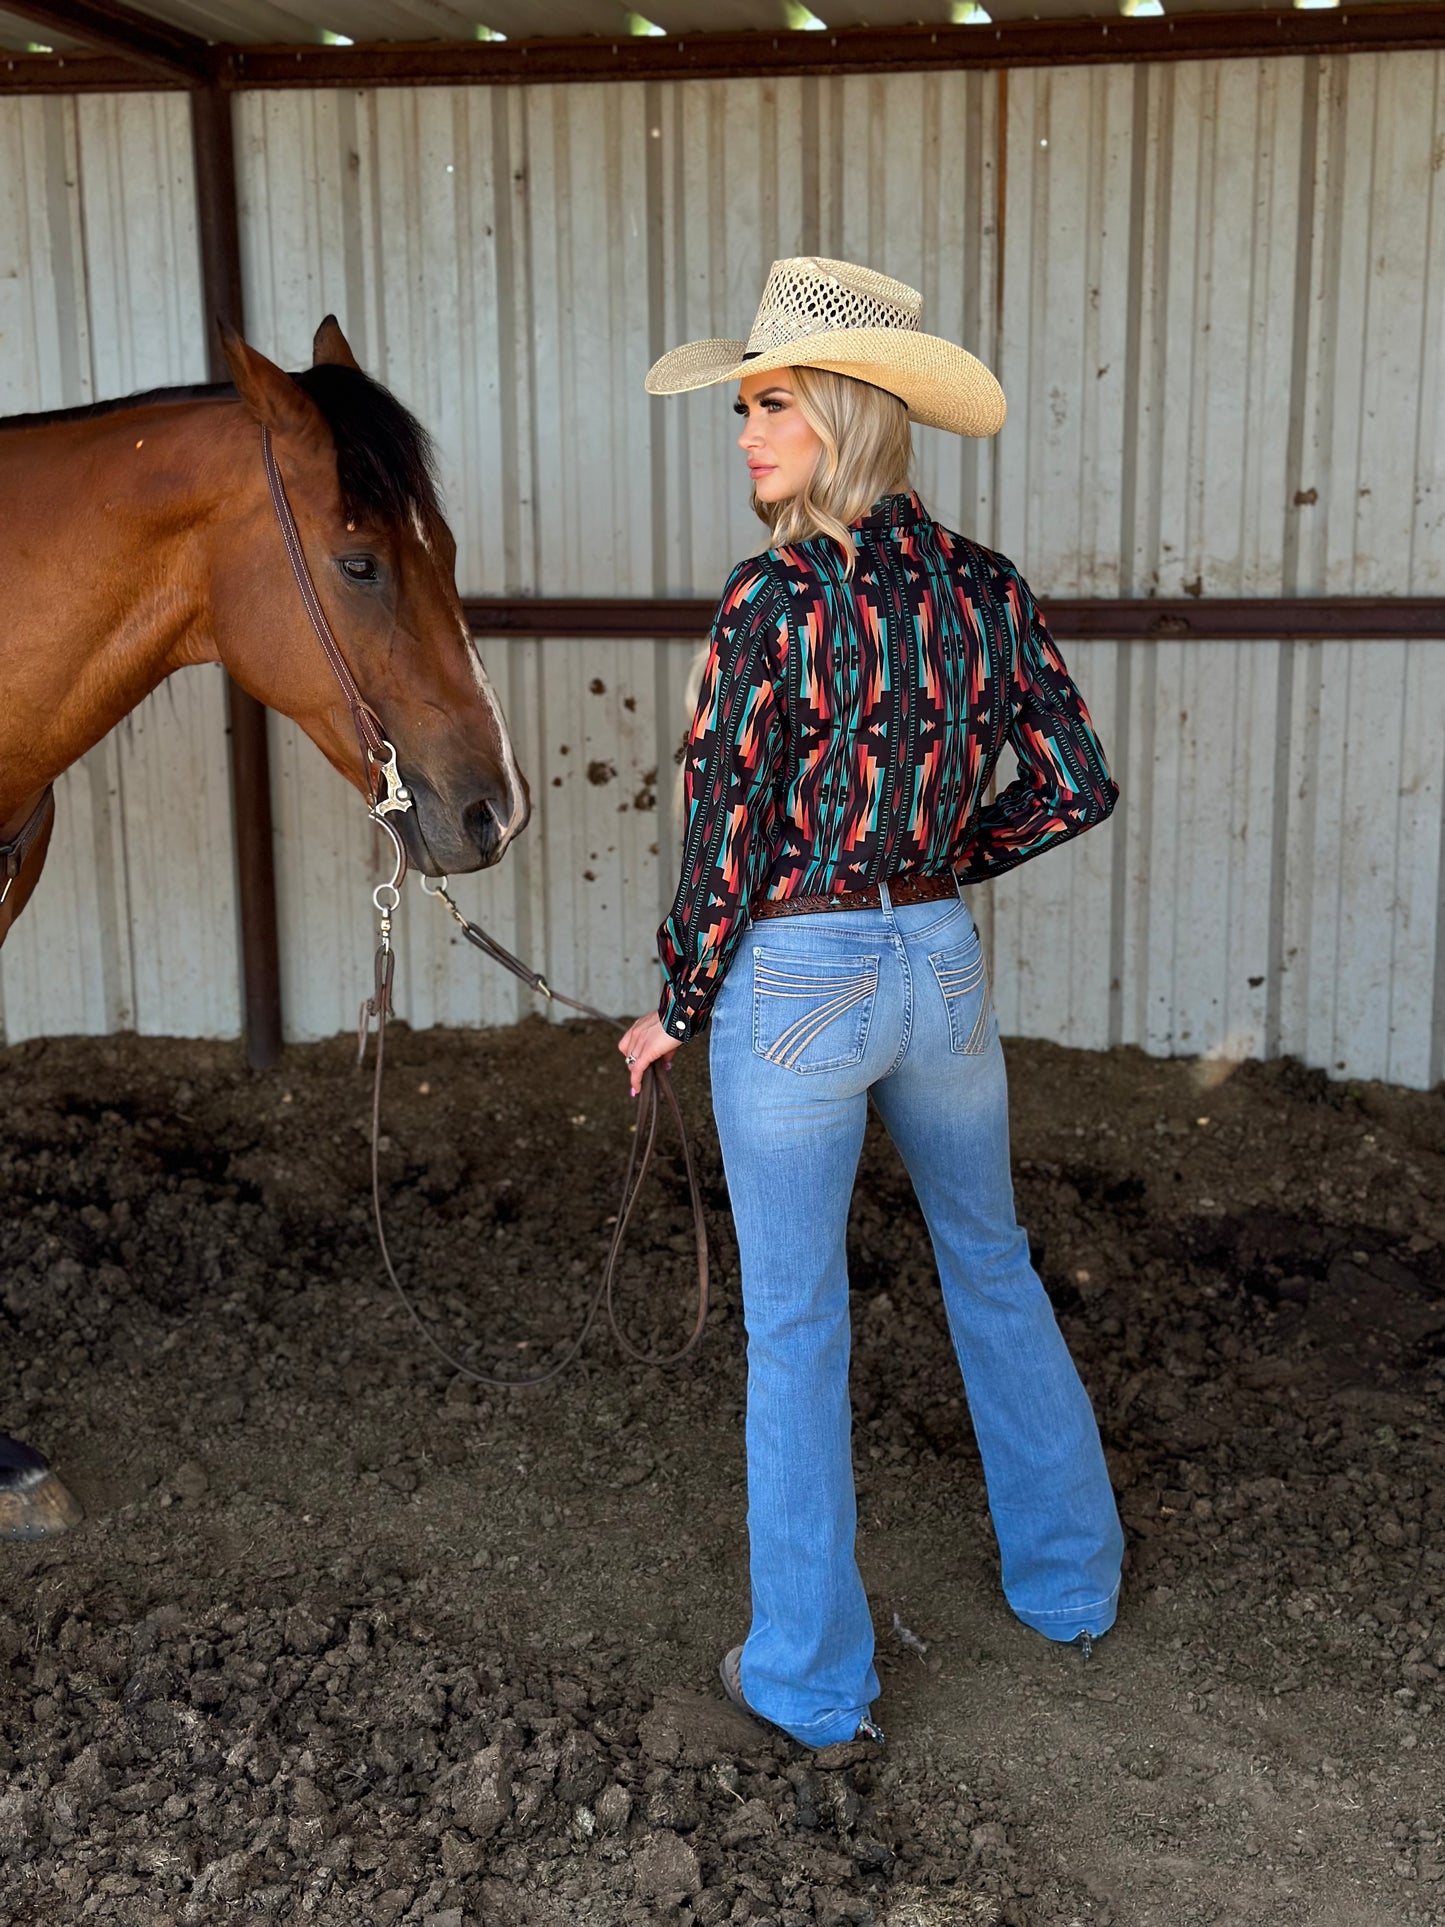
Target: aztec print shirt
(847, 731)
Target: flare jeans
(818, 1013)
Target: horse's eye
(359, 568)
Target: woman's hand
(643, 1045)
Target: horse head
(357, 470)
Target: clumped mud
(344, 1641)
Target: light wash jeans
(817, 1013)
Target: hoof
(33, 1502)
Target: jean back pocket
(809, 1015)
(962, 975)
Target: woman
(863, 678)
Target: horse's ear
(329, 344)
(269, 393)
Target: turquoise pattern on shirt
(848, 728)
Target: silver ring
(631, 1060)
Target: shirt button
(679, 1026)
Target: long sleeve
(730, 767)
(1063, 786)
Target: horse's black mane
(384, 458)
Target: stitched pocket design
(809, 1015)
(962, 976)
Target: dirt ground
(342, 1642)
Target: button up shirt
(848, 728)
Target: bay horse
(144, 535)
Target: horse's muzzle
(451, 836)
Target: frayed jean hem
(830, 1729)
(1064, 1626)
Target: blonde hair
(866, 452)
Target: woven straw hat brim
(942, 385)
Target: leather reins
(13, 854)
(388, 796)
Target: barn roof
(79, 26)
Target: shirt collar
(893, 512)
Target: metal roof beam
(846, 50)
(141, 52)
(161, 51)
(82, 73)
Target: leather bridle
(388, 796)
(385, 791)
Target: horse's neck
(107, 524)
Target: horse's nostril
(482, 827)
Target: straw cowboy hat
(834, 315)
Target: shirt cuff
(682, 1019)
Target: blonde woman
(864, 677)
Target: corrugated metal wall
(1214, 294)
(1224, 296)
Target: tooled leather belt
(901, 890)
